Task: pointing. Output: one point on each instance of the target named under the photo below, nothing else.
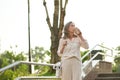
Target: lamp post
(29, 45)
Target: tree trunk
(56, 29)
(53, 49)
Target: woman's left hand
(77, 31)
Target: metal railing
(57, 66)
(89, 52)
(24, 62)
(93, 57)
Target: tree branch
(47, 19)
(61, 1)
(62, 15)
(56, 13)
(66, 1)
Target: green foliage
(118, 48)
(22, 70)
(48, 74)
(45, 71)
(118, 68)
(117, 60)
(40, 55)
(7, 75)
(11, 74)
(117, 64)
(9, 57)
(20, 57)
(83, 53)
(114, 68)
(3, 62)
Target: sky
(99, 21)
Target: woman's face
(71, 28)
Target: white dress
(71, 58)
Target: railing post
(57, 67)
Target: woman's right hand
(64, 43)
(63, 46)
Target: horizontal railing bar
(9, 66)
(23, 62)
(36, 63)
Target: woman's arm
(83, 41)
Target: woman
(69, 51)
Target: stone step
(38, 78)
(109, 75)
(107, 78)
